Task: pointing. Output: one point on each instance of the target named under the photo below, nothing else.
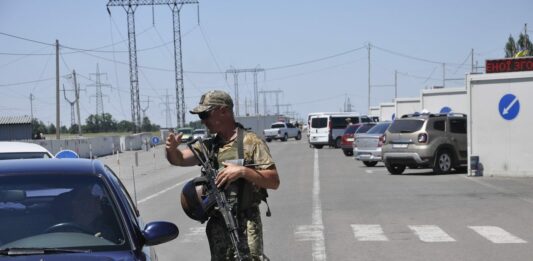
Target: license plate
(399, 146)
(349, 139)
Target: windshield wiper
(16, 251)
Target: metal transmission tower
(99, 95)
(147, 106)
(130, 6)
(277, 92)
(72, 103)
(167, 111)
(235, 73)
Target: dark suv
(436, 141)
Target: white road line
(159, 193)
(196, 234)
(369, 171)
(431, 234)
(497, 235)
(314, 232)
(368, 233)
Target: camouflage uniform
(248, 221)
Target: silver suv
(435, 141)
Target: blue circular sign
(155, 140)
(67, 154)
(445, 109)
(509, 107)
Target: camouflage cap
(213, 99)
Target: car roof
(47, 166)
(15, 146)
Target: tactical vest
(241, 193)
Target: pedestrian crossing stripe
(497, 235)
(429, 233)
(369, 233)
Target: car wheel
(370, 163)
(395, 169)
(443, 162)
(299, 136)
(268, 140)
(338, 143)
(285, 137)
(348, 152)
(318, 146)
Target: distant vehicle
(199, 133)
(367, 146)
(347, 139)
(282, 131)
(187, 134)
(437, 141)
(23, 150)
(328, 128)
(74, 209)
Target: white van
(327, 128)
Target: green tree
(523, 43)
(38, 127)
(146, 124)
(51, 128)
(125, 126)
(100, 123)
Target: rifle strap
(240, 153)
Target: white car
(23, 150)
(199, 133)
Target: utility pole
(276, 92)
(472, 60)
(77, 91)
(58, 123)
(369, 46)
(395, 84)
(130, 6)
(235, 73)
(32, 97)
(443, 75)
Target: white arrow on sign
(506, 109)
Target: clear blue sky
(412, 37)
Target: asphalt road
(330, 207)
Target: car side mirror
(159, 232)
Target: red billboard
(509, 65)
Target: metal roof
(6, 120)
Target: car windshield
(58, 211)
(199, 132)
(277, 126)
(185, 131)
(379, 129)
(319, 122)
(24, 155)
(406, 126)
(364, 128)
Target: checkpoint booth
(373, 113)
(406, 106)
(500, 119)
(444, 100)
(387, 112)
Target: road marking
(159, 193)
(369, 171)
(497, 235)
(431, 234)
(368, 233)
(196, 234)
(314, 232)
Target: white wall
(386, 111)
(504, 146)
(373, 111)
(435, 99)
(406, 106)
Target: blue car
(72, 209)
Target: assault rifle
(212, 191)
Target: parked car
(282, 131)
(328, 128)
(437, 141)
(347, 139)
(367, 146)
(199, 133)
(23, 150)
(75, 209)
(187, 134)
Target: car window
(277, 126)
(24, 155)
(132, 206)
(59, 211)
(289, 125)
(185, 131)
(406, 126)
(364, 128)
(319, 122)
(379, 129)
(439, 125)
(458, 125)
(340, 122)
(199, 131)
(351, 129)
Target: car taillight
(381, 140)
(423, 138)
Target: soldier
(244, 186)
